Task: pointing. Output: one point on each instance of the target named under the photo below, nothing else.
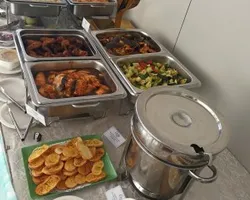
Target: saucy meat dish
(60, 46)
(71, 83)
(121, 44)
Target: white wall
(215, 44)
(162, 18)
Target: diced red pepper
(154, 69)
(150, 62)
(142, 65)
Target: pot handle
(205, 179)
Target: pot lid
(180, 120)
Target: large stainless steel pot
(174, 136)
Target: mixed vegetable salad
(147, 74)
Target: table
(232, 184)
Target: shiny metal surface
(11, 99)
(161, 164)
(22, 33)
(157, 179)
(152, 177)
(34, 9)
(205, 179)
(29, 68)
(193, 82)
(18, 130)
(57, 2)
(155, 129)
(89, 9)
(163, 56)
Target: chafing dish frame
(97, 109)
(119, 30)
(112, 60)
(38, 100)
(36, 8)
(90, 9)
(193, 82)
(56, 32)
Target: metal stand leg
(27, 129)
(122, 170)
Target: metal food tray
(163, 55)
(89, 9)
(36, 8)
(161, 48)
(59, 2)
(193, 82)
(52, 32)
(29, 67)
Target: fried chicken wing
(79, 52)
(33, 53)
(65, 43)
(40, 79)
(93, 80)
(102, 90)
(46, 42)
(33, 44)
(70, 87)
(80, 88)
(51, 77)
(59, 82)
(48, 91)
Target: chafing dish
(192, 81)
(73, 107)
(117, 91)
(157, 46)
(163, 55)
(22, 34)
(48, 8)
(49, 110)
(87, 9)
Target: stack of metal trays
(109, 41)
(31, 47)
(86, 8)
(36, 8)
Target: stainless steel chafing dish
(22, 33)
(48, 110)
(163, 56)
(117, 91)
(48, 8)
(159, 48)
(89, 9)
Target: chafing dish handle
(97, 6)
(38, 6)
(205, 179)
(86, 105)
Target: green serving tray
(26, 151)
